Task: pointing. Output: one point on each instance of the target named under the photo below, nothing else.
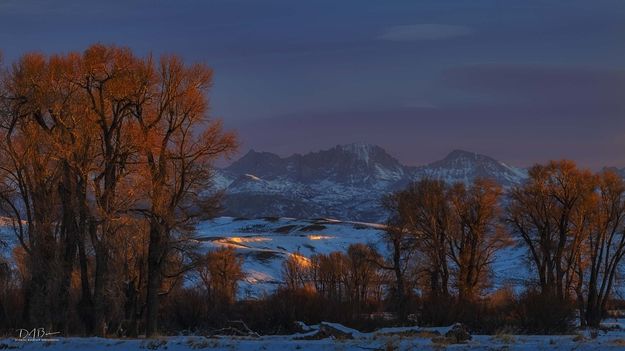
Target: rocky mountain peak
(361, 151)
(467, 156)
(345, 181)
(261, 164)
(465, 166)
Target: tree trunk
(85, 305)
(155, 253)
(400, 295)
(69, 229)
(43, 279)
(99, 293)
(131, 309)
(593, 316)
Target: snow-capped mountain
(353, 164)
(346, 181)
(464, 166)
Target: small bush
(438, 311)
(421, 334)
(442, 340)
(271, 219)
(618, 342)
(154, 344)
(391, 345)
(504, 338)
(285, 229)
(539, 313)
(313, 228)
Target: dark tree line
(443, 238)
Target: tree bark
(155, 255)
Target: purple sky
(522, 81)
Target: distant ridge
(465, 166)
(345, 181)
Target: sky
(521, 81)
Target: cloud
(416, 32)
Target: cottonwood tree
(476, 236)
(111, 80)
(604, 246)
(327, 272)
(220, 271)
(449, 231)
(37, 102)
(401, 241)
(424, 211)
(546, 212)
(178, 147)
(353, 278)
(296, 273)
(362, 275)
(89, 141)
(69, 113)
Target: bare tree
(179, 145)
(111, 80)
(89, 141)
(476, 236)
(544, 212)
(424, 211)
(220, 271)
(361, 275)
(604, 246)
(401, 240)
(35, 101)
(296, 272)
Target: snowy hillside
(346, 181)
(266, 243)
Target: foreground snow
(384, 339)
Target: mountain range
(345, 182)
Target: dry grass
(154, 344)
(443, 340)
(422, 334)
(313, 228)
(618, 342)
(391, 345)
(285, 229)
(504, 338)
(202, 343)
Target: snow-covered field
(384, 339)
(266, 243)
